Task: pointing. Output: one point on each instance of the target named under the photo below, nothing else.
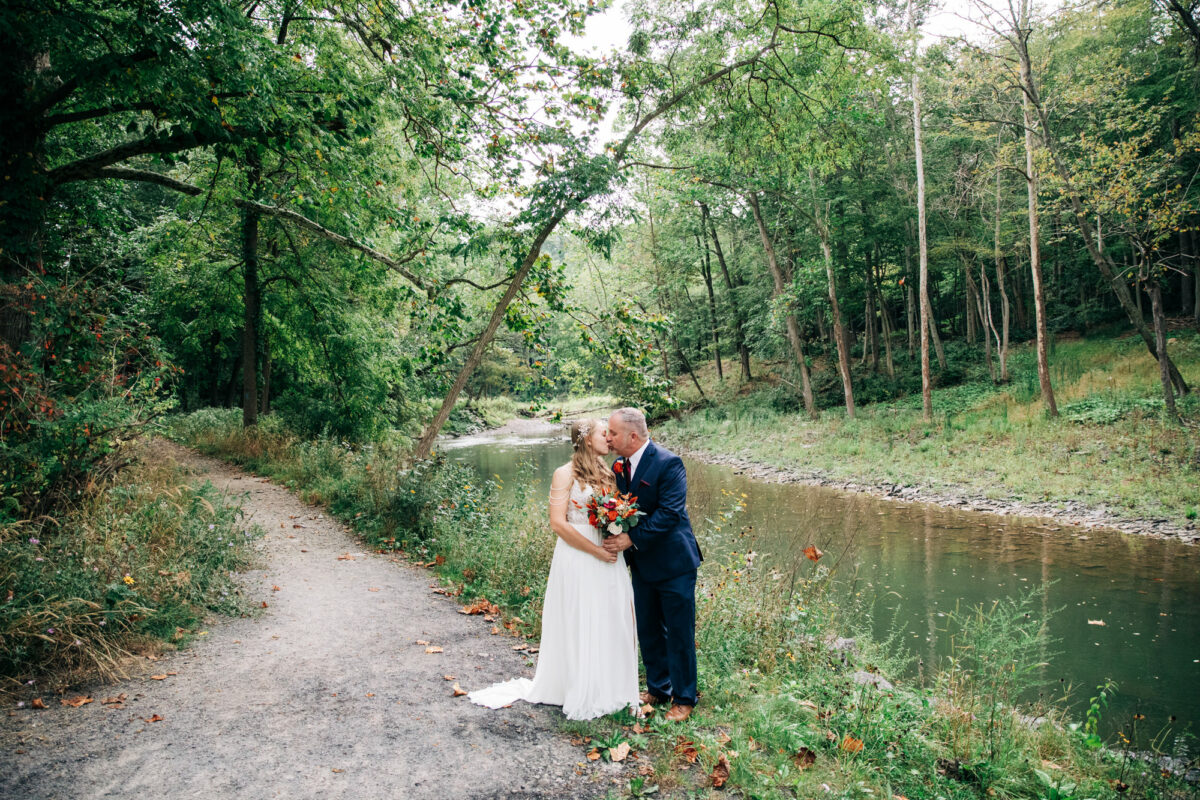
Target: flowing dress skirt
(587, 662)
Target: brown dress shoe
(678, 713)
(651, 699)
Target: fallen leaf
(619, 753)
(804, 758)
(345, 557)
(370, 694)
(812, 553)
(335, 769)
(637, 728)
(449, 677)
(155, 718)
(38, 703)
(172, 673)
(108, 701)
(720, 772)
(851, 745)
(686, 749)
(302, 550)
(753, 744)
(1099, 622)
(645, 770)
(422, 642)
(76, 701)
(458, 690)
(162, 677)
(724, 738)
(520, 647)
(372, 588)
(264, 604)
(594, 754)
(275, 589)
(645, 710)
(433, 649)
(439, 560)
(495, 630)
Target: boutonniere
(619, 466)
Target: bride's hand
(604, 555)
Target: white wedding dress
(587, 662)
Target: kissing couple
(587, 661)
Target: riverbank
(1111, 460)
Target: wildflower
(34, 541)
(128, 580)
(103, 622)
(212, 527)
(50, 631)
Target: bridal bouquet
(613, 513)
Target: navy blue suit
(663, 563)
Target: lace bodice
(577, 504)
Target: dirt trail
(326, 694)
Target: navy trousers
(666, 627)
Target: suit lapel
(643, 464)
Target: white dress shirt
(636, 458)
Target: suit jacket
(664, 546)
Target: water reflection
(1124, 607)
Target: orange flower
(612, 515)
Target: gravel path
(327, 694)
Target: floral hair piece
(585, 430)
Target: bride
(588, 657)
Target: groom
(663, 557)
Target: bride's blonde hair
(586, 466)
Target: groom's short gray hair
(635, 419)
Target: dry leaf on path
(76, 701)
(449, 677)
(345, 557)
(645, 770)
(264, 604)
(594, 754)
(433, 649)
(458, 690)
(804, 758)
(335, 769)
(372, 588)
(724, 738)
(155, 718)
(38, 703)
(619, 753)
(439, 560)
(275, 589)
(109, 701)
(162, 677)
(422, 642)
(720, 772)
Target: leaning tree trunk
(1002, 344)
(425, 446)
(793, 329)
(1035, 256)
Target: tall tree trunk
(793, 329)
(266, 371)
(1035, 256)
(1160, 340)
(739, 332)
(706, 271)
(821, 216)
(425, 445)
(910, 305)
(885, 318)
(252, 294)
(1002, 344)
(923, 244)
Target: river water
(914, 563)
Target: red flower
(619, 466)
(593, 521)
(612, 515)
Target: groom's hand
(615, 544)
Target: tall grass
(134, 564)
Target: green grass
(779, 707)
(1112, 445)
(135, 565)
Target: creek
(1120, 607)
